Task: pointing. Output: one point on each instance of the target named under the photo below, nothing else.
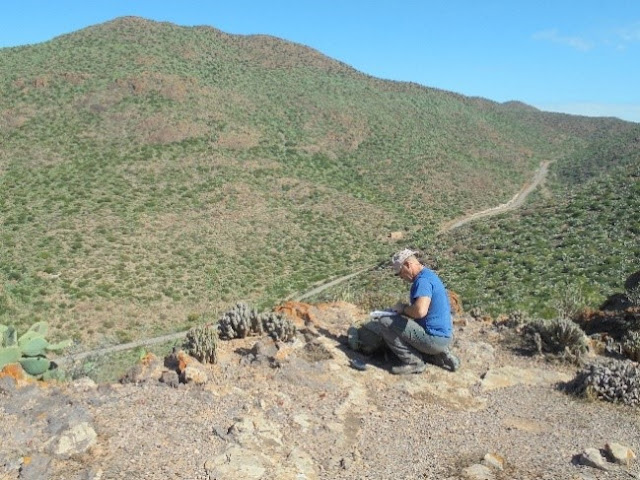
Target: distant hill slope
(151, 172)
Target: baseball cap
(400, 257)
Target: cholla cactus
(631, 345)
(615, 381)
(239, 322)
(202, 343)
(560, 336)
(278, 326)
(242, 321)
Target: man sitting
(422, 329)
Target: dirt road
(517, 201)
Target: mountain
(151, 173)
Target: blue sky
(575, 56)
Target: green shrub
(560, 337)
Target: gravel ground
(331, 421)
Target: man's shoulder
(427, 273)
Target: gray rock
(620, 454)
(477, 472)
(77, 439)
(7, 386)
(237, 463)
(10, 464)
(170, 378)
(94, 473)
(36, 467)
(493, 460)
(265, 347)
(84, 384)
(194, 374)
(591, 457)
(62, 417)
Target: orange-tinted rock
(183, 361)
(13, 370)
(148, 359)
(455, 302)
(300, 313)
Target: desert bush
(633, 295)
(614, 381)
(569, 301)
(560, 337)
(202, 343)
(631, 345)
(515, 319)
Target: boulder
(194, 374)
(620, 454)
(477, 472)
(493, 460)
(170, 378)
(35, 467)
(77, 439)
(591, 457)
(455, 302)
(148, 369)
(84, 384)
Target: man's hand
(399, 307)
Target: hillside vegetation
(150, 172)
(561, 252)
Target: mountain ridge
(153, 167)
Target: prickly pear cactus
(278, 326)
(202, 343)
(239, 322)
(30, 350)
(9, 355)
(631, 345)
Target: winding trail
(516, 202)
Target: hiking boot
(450, 361)
(408, 369)
(446, 360)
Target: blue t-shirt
(437, 322)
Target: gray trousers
(408, 340)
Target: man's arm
(419, 308)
